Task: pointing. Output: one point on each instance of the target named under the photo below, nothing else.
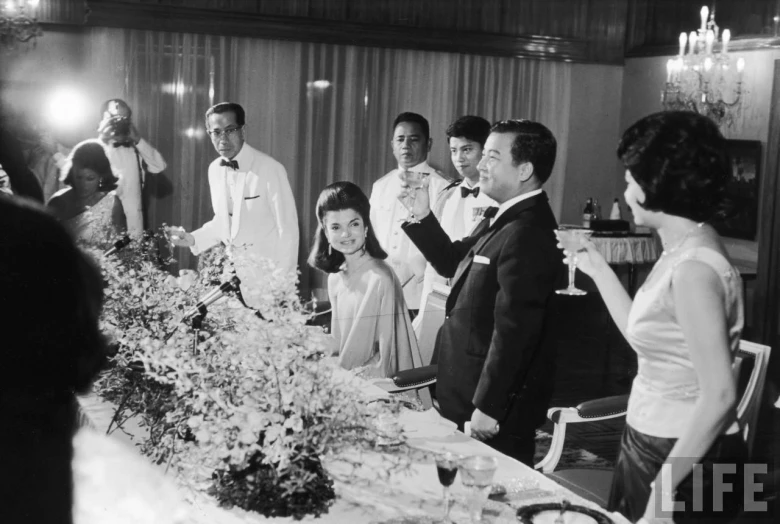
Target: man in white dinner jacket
(411, 143)
(254, 209)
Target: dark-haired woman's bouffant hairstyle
(338, 197)
(681, 162)
(90, 154)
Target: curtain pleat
(320, 132)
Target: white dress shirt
(254, 213)
(126, 162)
(387, 215)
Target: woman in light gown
(370, 321)
(89, 207)
(52, 471)
(684, 323)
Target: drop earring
(330, 249)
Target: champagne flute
(447, 468)
(571, 240)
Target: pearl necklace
(679, 243)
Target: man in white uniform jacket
(254, 209)
(411, 143)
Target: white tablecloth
(413, 494)
(628, 249)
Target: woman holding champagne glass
(684, 323)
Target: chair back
(430, 319)
(750, 402)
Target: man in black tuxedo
(494, 351)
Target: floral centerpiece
(246, 406)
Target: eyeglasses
(227, 133)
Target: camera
(118, 126)
(116, 120)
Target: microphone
(119, 244)
(201, 307)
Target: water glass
(477, 477)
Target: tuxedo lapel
(479, 230)
(238, 200)
(485, 232)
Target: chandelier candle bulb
(669, 69)
(740, 66)
(692, 39)
(726, 38)
(704, 14)
(683, 41)
(709, 39)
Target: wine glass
(477, 477)
(447, 468)
(571, 240)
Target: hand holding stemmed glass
(576, 245)
(414, 194)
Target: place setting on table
(457, 479)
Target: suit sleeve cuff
(412, 223)
(497, 408)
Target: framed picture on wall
(742, 190)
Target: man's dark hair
(473, 128)
(680, 160)
(416, 119)
(533, 143)
(225, 107)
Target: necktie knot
(464, 191)
(490, 212)
(123, 143)
(232, 164)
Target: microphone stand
(196, 323)
(199, 312)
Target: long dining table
(398, 483)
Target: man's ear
(430, 145)
(526, 170)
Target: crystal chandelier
(701, 79)
(18, 22)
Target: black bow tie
(233, 164)
(490, 212)
(124, 143)
(464, 191)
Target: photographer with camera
(132, 157)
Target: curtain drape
(324, 111)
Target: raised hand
(587, 258)
(414, 194)
(178, 236)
